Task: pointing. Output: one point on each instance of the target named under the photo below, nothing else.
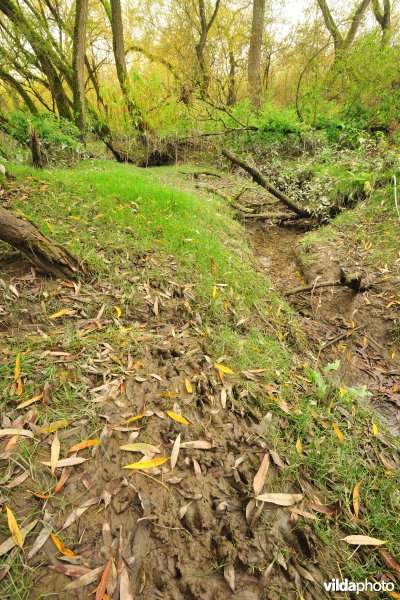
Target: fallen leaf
(118, 311)
(375, 430)
(60, 546)
(85, 579)
(125, 589)
(213, 265)
(71, 570)
(175, 451)
(147, 464)
(66, 462)
(229, 575)
(391, 562)
(146, 449)
(173, 415)
(259, 479)
(17, 369)
(14, 529)
(339, 434)
(197, 445)
(356, 499)
(61, 313)
(42, 537)
(15, 431)
(17, 481)
(83, 445)
(224, 369)
(55, 453)
(52, 427)
(77, 512)
(9, 543)
(188, 386)
(362, 540)
(280, 499)
(299, 447)
(31, 401)
(63, 478)
(101, 590)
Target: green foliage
(277, 125)
(58, 136)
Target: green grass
(130, 227)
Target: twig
(339, 337)
(308, 288)
(395, 196)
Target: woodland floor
(204, 332)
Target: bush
(59, 137)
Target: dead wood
(43, 252)
(259, 178)
(353, 281)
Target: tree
(342, 42)
(383, 16)
(78, 64)
(254, 60)
(203, 79)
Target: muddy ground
(192, 530)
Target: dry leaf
(61, 313)
(72, 570)
(229, 575)
(63, 478)
(188, 385)
(101, 590)
(197, 445)
(259, 479)
(31, 401)
(52, 427)
(299, 446)
(147, 464)
(339, 434)
(83, 445)
(125, 589)
(9, 543)
(223, 398)
(77, 512)
(224, 369)
(15, 431)
(356, 499)
(42, 537)
(173, 415)
(213, 265)
(60, 546)
(17, 481)
(66, 462)
(14, 529)
(280, 499)
(17, 369)
(85, 579)
(55, 453)
(175, 451)
(141, 447)
(362, 540)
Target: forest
(199, 299)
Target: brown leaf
(101, 590)
(77, 512)
(125, 588)
(197, 445)
(55, 453)
(175, 451)
(17, 481)
(280, 499)
(16, 431)
(259, 479)
(84, 579)
(71, 570)
(362, 540)
(229, 575)
(391, 562)
(66, 462)
(42, 537)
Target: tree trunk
(383, 16)
(259, 178)
(231, 99)
(39, 157)
(45, 254)
(78, 64)
(254, 61)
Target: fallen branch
(43, 252)
(314, 286)
(259, 178)
(352, 281)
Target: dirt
(192, 532)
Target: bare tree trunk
(384, 18)
(39, 156)
(254, 60)
(231, 99)
(45, 254)
(203, 80)
(78, 64)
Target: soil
(191, 532)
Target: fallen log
(352, 281)
(259, 178)
(44, 253)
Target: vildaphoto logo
(337, 585)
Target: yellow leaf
(61, 547)
(173, 415)
(213, 265)
(188, 385)
(339, 434)
(224, 369)
(375, 430)
(52, 427)
(147, 464)
(356, 499)
(83, 445)
(17, 370)
(31, 401)
(55, 453)
(214, 291)
(299, 446)
(61, 313)
(20, 387)
(14, 529)
(134, 418)
(118, 311)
